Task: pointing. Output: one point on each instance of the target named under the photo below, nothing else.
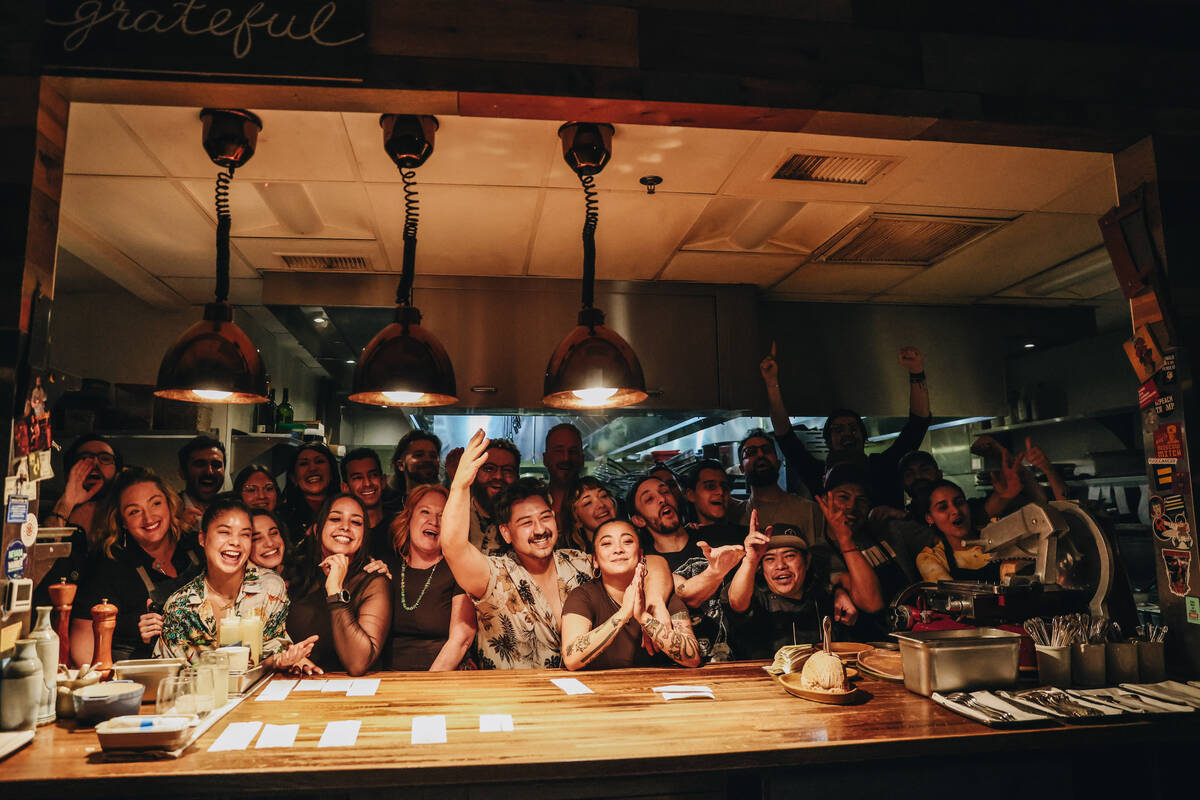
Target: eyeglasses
(492, 469)
(753, 450)
(104, 459)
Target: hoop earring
(595, 570)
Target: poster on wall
(288, 39)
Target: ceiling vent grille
(848, 169)
(327, 263)
(903, 239)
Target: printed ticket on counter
(495, 723)
(236, 736)
(429, 730)
(276, 690)
(363, 687)
(277, 736)
(571, 685)
(343, 733)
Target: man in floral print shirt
(518, 595)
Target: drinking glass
(176, 695)
(218, 664)
(202, 688)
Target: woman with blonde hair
(139, 558)
(433, 620)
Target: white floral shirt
(517, 626)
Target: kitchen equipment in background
(953, 660)
(405, 364)
(593, 367)
(214, 361)
(149, 672)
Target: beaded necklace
(403, 599)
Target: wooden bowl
(791, 683)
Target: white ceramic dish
(150, 732)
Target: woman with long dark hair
(336, 601)
(256, 487)
(311, 481)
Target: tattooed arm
(676, 639)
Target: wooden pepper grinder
(104, 622)
(63, 595)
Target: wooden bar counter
(752, 740)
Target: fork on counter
(967, 699)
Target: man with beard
(415, 461)
(760, 465)
(774, 597)
(519, 595)
(497, 473)
(91, 464)
(846, 435)
(563, 460)
(202, 468)
(873, 567)
(363, 474)
(699, 568)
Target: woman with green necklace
(433, 621)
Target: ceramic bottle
(21, 689)
(47, 649)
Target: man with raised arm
(519, 595)
(846, 435)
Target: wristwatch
(338, 597)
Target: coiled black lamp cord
(224, 225)
(411, 216)
(591, 218)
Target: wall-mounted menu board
(285, 39)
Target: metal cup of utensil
(1121, 660)
(1152, 665)
(1054, 665)
(1087, 665)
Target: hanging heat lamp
(405, 364)
(593, 367)
(213, 361)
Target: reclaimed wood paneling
(523, 30)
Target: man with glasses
(760, 466)
(91, 464)
(501, 470)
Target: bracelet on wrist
(850, 550)
(916, 377)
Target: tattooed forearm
(677, 641)
(588, 646)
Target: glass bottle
(284, 415)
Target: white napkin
(986, 698)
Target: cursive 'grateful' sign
(307, 39)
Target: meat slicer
(1057, 561)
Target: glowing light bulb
(400, 398)
(597, 395)
(212, 394)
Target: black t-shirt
(720, 534)
(379, 538)
(592, 601)
(122, 581)
(773, 621)
(674, 560)
(417, 636)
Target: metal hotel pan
(949, 661)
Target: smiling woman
(228, 586)
(341, 607)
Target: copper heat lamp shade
(213, 361)
(590, 362)
(404, 365)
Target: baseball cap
(787, 536)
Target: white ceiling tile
(757, 268)
(98, 144)
(1024, 247)
(635, 237)
(464, 230)
(834, 279)
(342, 209)
(752, 177)
(1095, 194)
(293, 145)
(466, 150)
(687, 159)
(154, 222)
(986, 177)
